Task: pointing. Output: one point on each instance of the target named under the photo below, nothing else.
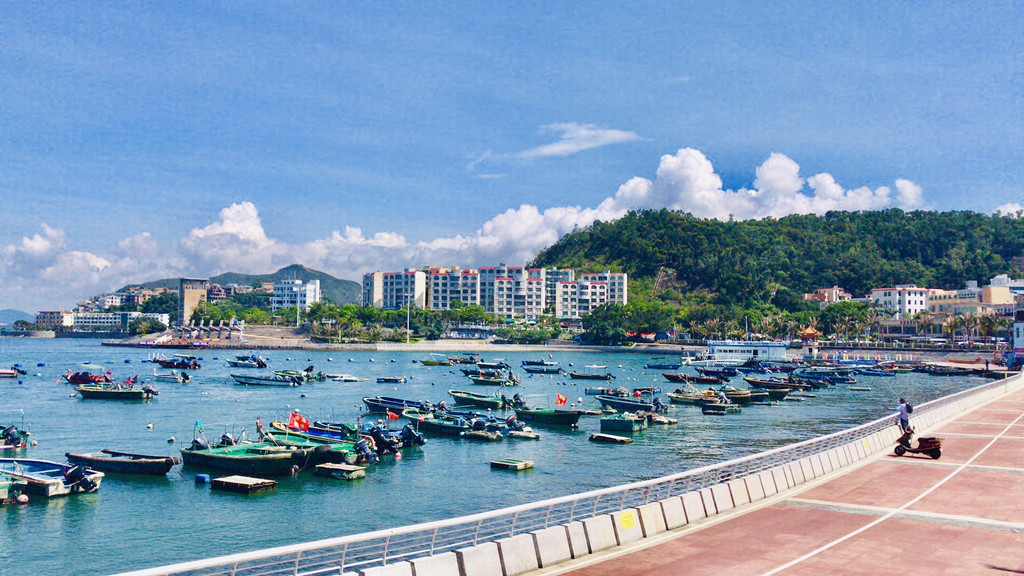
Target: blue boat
(632, 404)
(383, 404)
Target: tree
(166, 303)
(605, 325)
(145, 326)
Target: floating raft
(523, 435)
(860, 388)
(512, 464)
(610, 439)
(340, 471)
(243, 484)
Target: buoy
(127, 361)
(204, 393)
(171, 440)
(398, 455)
(150, 425)
(33, 443)
(302, 395)
(330, 359)
(22, 498)
(202, 478)
(41, 364)
(38, 374)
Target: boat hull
(47, 478)
(124, 462)
(548, 416)
(251, 460)
(99, 393)
(265, 380)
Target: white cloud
(44, 273)
(577, 138)
(1010, 209)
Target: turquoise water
(133, 523)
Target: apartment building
(288, 293)
(903, 300)
(618, 289)
(573, 300)
(394, 290)
(446, 285)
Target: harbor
(166, 507)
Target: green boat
(323, 450)
(437, 423)
(10, 487)
(623, 423)
(549, 416)
(492, 401)
(494, 381)
(258, 459)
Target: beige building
(191, 293)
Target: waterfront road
(909, 515)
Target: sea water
(137, 522)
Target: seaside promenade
(962, 514)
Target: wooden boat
(775, 384)
(689, 379)
(250, 459)
(631, 404)
(466, 359)
(549, 416)
(482, 435)
(499, 365)
(10, 487)
(391, 380)
(693, 397)
(272, 380)
(251, 361)
(623, 423)
(592, 375)
(51, 479)
(661, 364)
(438, 422)
(124, 462)
(495, 380)
(319, 431)
(720, 409)
(610, 439)
(492, 401)
(736, 395)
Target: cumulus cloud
(1011, 209)
(236, 240)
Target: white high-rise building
(577, 299)
(618, 287)
(288, 293)
(393, 290)
(903, 300)
(448, 285)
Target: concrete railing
(515, 540)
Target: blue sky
(148, 140)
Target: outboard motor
(199, 444)
(478, 424)
(362, 448)
(76, 475)
(658, 405)
(185, 378)
(10, 436)
(151, 390)
(410, 437)
(228, 440)
(514, 424)
(384, 444)
(517, 400)
(442, 406)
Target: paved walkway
(903, 516)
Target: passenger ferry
(735, 352)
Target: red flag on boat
(298, 421)
(392, 415)
(561, 399)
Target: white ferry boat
(736, 352)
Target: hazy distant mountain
(9, 316)
(336, 289)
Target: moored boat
(544, 369)
(436, 360)
(257, 459)
(492, 401)
(172, 376)
(632, 404)
(179, 362)
(550, 416)
(592, 375)
(391, 380)
(13, 436)
(271, 380)
(383, 404)
(690, 379)
(124, 391)
(623, 423)
(247, 361)
(10, 487)
(720, 409)
(51, 479)
(124, 462)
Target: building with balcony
(289, 293)
(395, 290)
(618, 287)
(902, 301)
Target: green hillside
(335, 289)
(769, 262)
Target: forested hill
(335, 289)
(751, 261)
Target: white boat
(736, 352)
(251, 361)
(172, 376)
(5, 373)
(51, 478)
(272, 380)
(345, 378)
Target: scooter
(928, 445)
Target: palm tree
(925, 321)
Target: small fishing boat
(124, 462)
(51, 479)
(719, 372)
(544, 369)
(10, 487)
(720, 409)
(5, 373)
(594, 391)
(693, 397)
(496, 365)
(438, 422)
(481, 435)
(539, 363)
(88, 374)
(248, 361)
(383, 404)
(632, 404)
(391, 380)
(623, 423)
(344, 377)
(123, 391)
(271, 380)
(172, 376)
(594, 375)
(179, 362)
(492, 401)
(737, 395)
(610, 439)
(306, 375)
(257, 459)
(550, 416)
(494, 380)
(467, 358)
(775, 384)
(478, 372)
(14, 436)
(881, 373)
(690, 379)
(436, 360)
